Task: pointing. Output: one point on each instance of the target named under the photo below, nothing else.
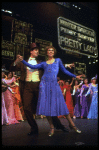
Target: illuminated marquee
(76, 38)
(21, 32)
(8, 50)
(80, 68)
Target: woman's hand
(20, 58)
(79, 77)
(70, 65)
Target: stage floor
(16, 134)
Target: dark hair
(85, 78)
(46, 49)
(76, 80)
(67, 81)
(31, 49)
(9, 73)
(27, 53)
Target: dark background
(43, 16)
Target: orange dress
(17, 100)
(68, 99)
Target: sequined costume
(93, 111)
(84, 100)
(9, 103)
(50, 101)
(4, 111)
(77, 108)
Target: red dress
(62, 89)
(68, 98)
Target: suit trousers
(30, 98)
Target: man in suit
(29, 89)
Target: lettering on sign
(8, 50)
(76, 38)
(80, 68)
(21, 32)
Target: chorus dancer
(76, 92)
(18, 97)
(51, 101)
(17, 100)
(84, 100)
(68, 97)
(90, 99)
(61, 84)
(9, 100)
(93, 111)
(4, 111)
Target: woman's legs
(67, 117)
(70, 120)
(51, 125)
(71, 123)
(50, 121)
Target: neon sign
(76, 38)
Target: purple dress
(77, 108)
(50, 101)
(84, 101)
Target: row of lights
(12, 13)
(76, 6)
(7, 11)
(94, 61)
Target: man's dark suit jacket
(21, 67)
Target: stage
(16, 134)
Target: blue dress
(93, 111)
(50, 101)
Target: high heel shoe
(74, 127)
(51, 132)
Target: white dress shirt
(32, 74)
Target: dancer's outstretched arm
(38, 66)
(66, 71)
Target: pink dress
(4, 111)
(9, 103)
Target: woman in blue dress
(51, 101)
(93, 111)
